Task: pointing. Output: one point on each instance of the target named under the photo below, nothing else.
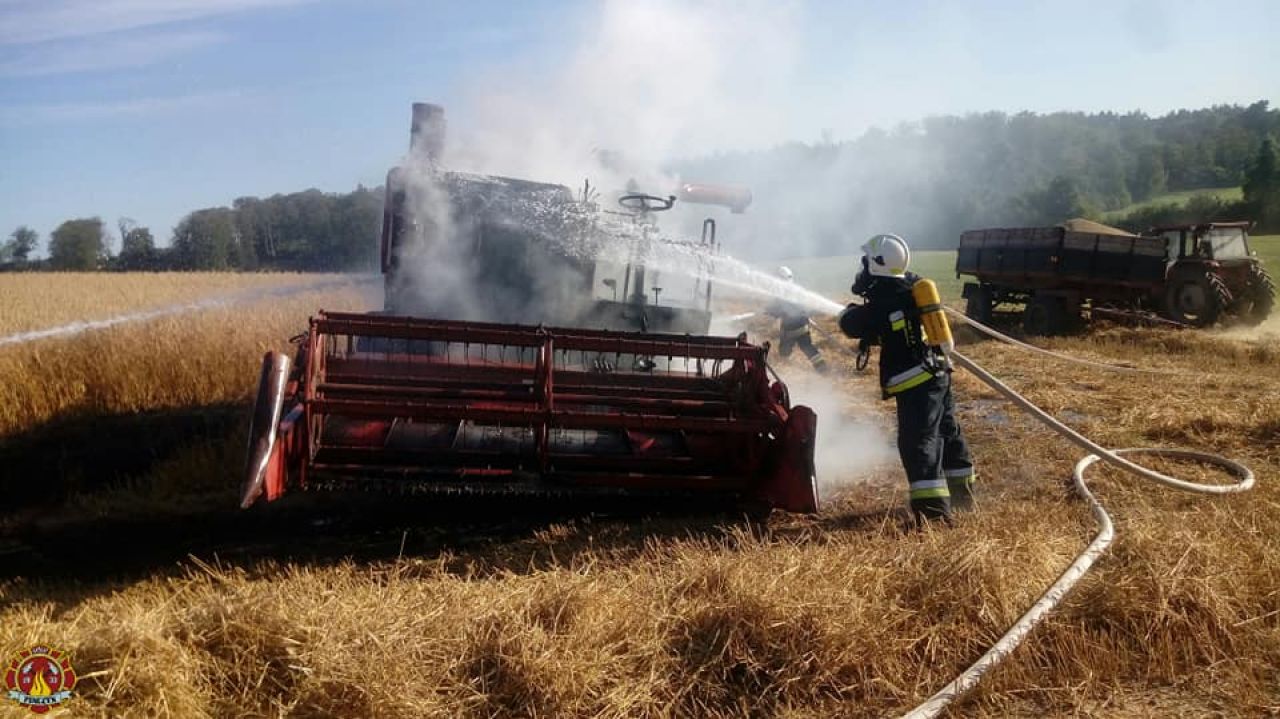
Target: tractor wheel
(1044, 316)
(1196, 299)
(1263, 291)
(978, 306)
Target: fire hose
(1014, 636)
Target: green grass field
(1268, 248)
(1229, 194)
(831, 276)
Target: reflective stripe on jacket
(905, 380)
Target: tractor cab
(1210, 269)
(1218, 241)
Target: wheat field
(39, 300)
(848, 613)
(186, 359)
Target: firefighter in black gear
(793, 329)
(916, 374)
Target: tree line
(310, 231)
(930, 180)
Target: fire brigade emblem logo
(40, 678)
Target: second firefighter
(793, 327)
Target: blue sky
(152, 108)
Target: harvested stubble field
(843, 614)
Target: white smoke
(640, 86)
(648, 87)
(1266, 331)
(850, 445)
(435, 273)
(644, 83)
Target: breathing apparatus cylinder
(934, 320)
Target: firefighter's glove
(856, 321)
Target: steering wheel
(638, 202)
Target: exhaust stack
(426, 134)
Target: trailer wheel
(1197, 299)
(1044, 316)
(1263, 290)
(978, 305)
(1072, 316)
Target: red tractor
(1212, 272)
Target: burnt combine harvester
(495, 369)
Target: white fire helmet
(887, 256)
(785, 273)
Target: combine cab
(477, 247)
(496, 368)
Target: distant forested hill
(930, 179)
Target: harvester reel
(1197, 299)
(639, 202)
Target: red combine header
(417, 404)
(512, 358)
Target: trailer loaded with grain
(1187, 274)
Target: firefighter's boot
(930, 500)
(960, 487)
